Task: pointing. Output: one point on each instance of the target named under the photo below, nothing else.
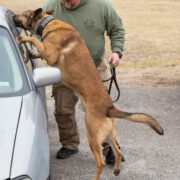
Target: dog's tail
(136, 117)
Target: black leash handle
(111, 79)
(112, 73)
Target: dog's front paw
(23, 38)
(34, 55)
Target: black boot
(65, 153)
(110, 158)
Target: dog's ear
(37, 12)
(50, 12)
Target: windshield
(11, 79)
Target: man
(91, 18)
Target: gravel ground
(148, 155)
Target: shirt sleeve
(49, 5)
(114, 28)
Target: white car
(24, 143)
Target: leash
(113, 79)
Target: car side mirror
(46, 76)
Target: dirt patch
(151, 54)
(149, 77)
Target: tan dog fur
(63, 47)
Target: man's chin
(70, 6)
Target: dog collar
(43, 25)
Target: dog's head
(30, 20)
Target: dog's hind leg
(117, 152)
(118, 156)
(96, 149)
(116, 149)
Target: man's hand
(114, 57)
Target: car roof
(3, 17)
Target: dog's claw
(116, 172)
(162, 133)
(22, 38)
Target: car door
(40, 142)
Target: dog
(63, 47)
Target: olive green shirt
(91, 19)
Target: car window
(12, 79)
(23, 47)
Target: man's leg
(107, 150)
(65, 101)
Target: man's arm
(116, 33)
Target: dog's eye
(26, 16)
(29, 19)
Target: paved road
(148, 155)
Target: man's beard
(69, 5)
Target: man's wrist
(119, 53)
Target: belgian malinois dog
(63, 47)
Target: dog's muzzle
(17, 22)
